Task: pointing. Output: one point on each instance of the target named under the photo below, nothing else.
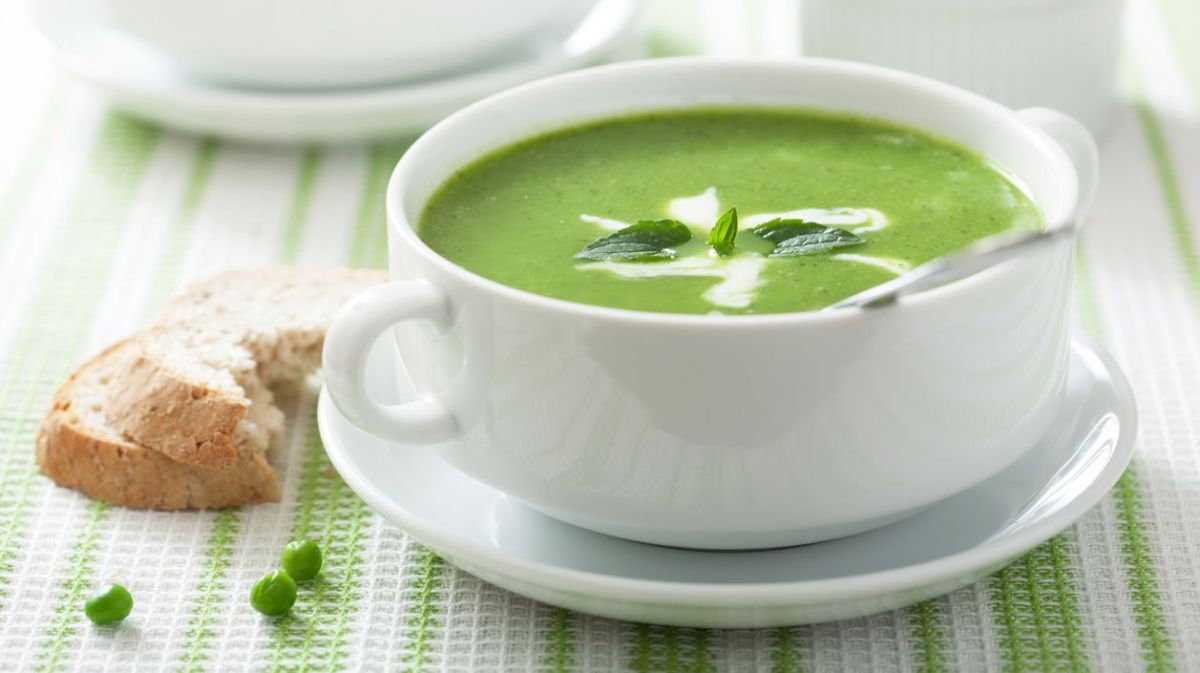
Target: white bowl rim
(409, 164)
(46, 16)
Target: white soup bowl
(318, 43)
(723, 432)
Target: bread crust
(187, 422)
(121, 472)
(149, 435)
(157, 406)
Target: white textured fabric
(101, 218)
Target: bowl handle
(1080, 147)
(354, 331)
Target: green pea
(302, 559)
(109, 605)
(274, 594)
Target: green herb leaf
(797, 237)
(724, 232)
(646, 241)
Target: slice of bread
(78, 449)
(204, 370)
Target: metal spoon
(977, 257)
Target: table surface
(103, 217)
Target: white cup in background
(317, 43)
(1055, 53)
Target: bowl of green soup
(608, 290)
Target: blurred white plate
(145, 84)
(954, 542)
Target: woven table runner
(103, 217)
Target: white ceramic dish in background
(141, 82)
(715, 431)
(1055, 53)
(318, 43)
(951, 544)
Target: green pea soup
(892, 197)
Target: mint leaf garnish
(797, 237)
(646, 241)
(724, 232)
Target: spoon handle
(981, 255)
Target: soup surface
(826, 205)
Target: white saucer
(953, 543)
(146, 84)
